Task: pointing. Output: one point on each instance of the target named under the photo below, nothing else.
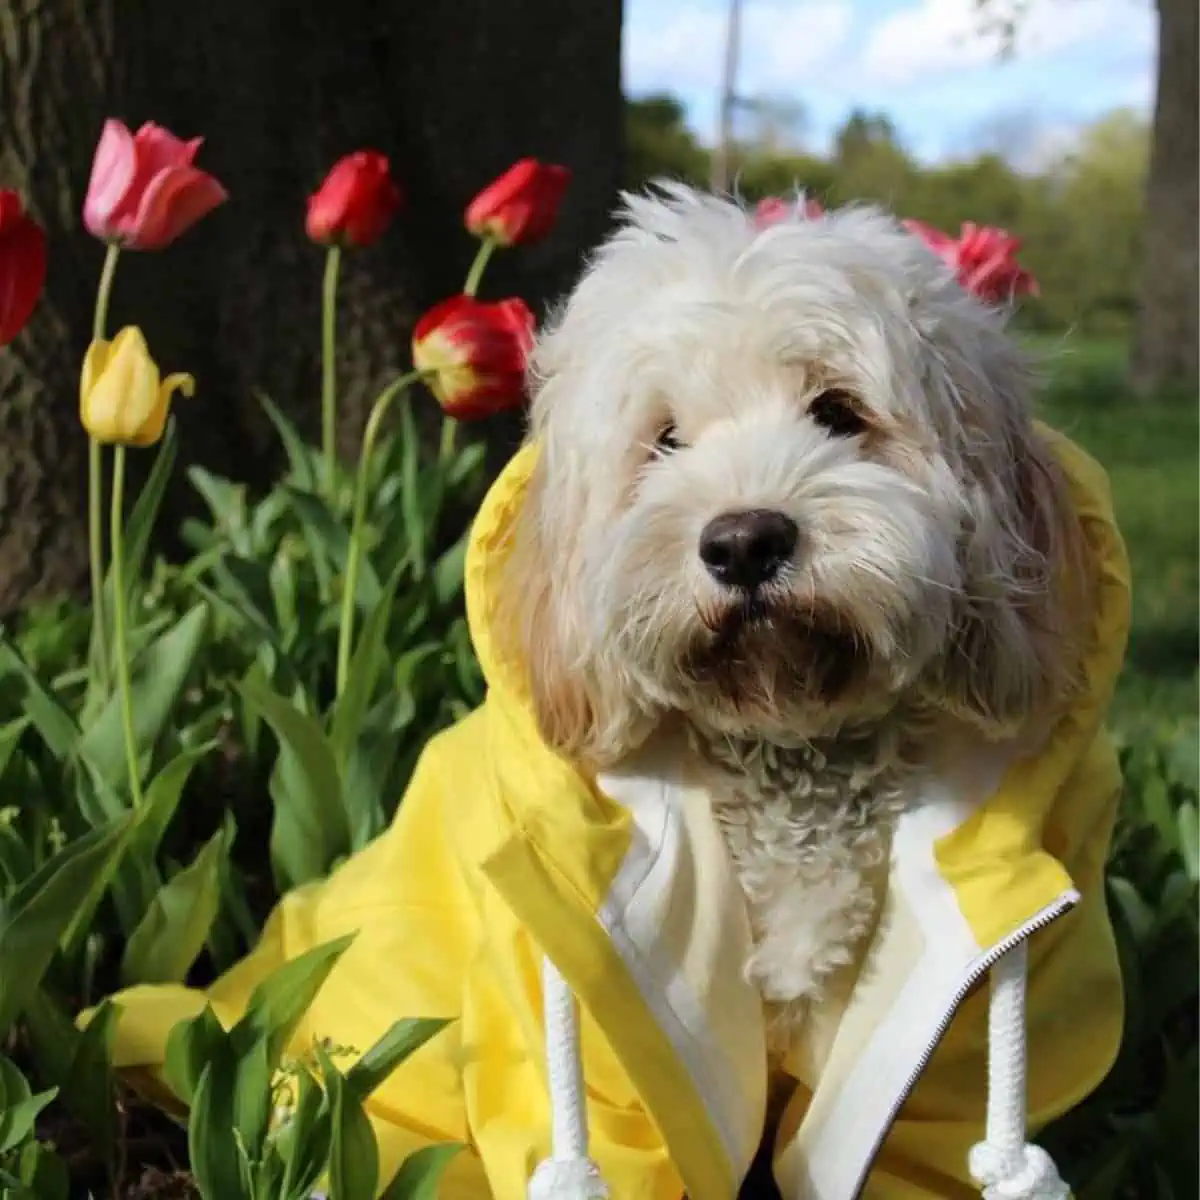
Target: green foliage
(272, 570)
(38, 912)
(1134, 1139)
(1079, 213)
(1136, 1135)
(266, 1125)
(659, 144)
(1148, 448)
(28, 1170)
(232, 661)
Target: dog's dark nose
(746, 549)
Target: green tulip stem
(333, 261)
(487, 247)
(120, 599)
(96, 482)
(354, 555)
(449, 441)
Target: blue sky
(924, 62)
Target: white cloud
(945, 36)
(1026, 138)
(924, 62)
(784, 43)
(679, 46)
(674, 50)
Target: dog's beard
(763, 664)
(834, 639)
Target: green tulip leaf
(353, 1154)
(227, 503)
(402, 1040)
(420, 1175)
(43, 1172)
(303, 1143)
(54, 724)
(171, 935)
(212, 1146)
(279, 1002)
(366, 664)
(329, 540)
(10, 738)
(159, 675)
(252, 1099)
(18, 1107)
(300, 458)
(310, 829)
(77, 1061)
(139, 526)
(192, 1044)
(40, 913)
(1189, 839)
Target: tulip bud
(144, 191)
(773, 209)
(983, 258)
(121, 398)
(521, 206)
(473, 355)
(22, 265)
(356, 203)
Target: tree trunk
(1167, 331)
(452, 93)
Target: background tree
(773, 125)
(869, 161)
(1166, 341)
(658, 142)
(279, 90)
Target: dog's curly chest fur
(804, 826)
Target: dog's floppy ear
(585, 707)
(1017, 644)
(533, 613)
(581, 710)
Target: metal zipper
(982, 966)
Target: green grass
(1151, 450)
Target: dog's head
(787, 477)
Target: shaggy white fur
(790, 496)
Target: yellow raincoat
(503, 858)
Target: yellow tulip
(121, 399)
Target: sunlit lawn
(1150, 449)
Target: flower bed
(305, 650)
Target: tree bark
(1167, 331)
(452, 93)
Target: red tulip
(773, 209)
(144, 191)
(521, 206)
(356, 203)
(473, 354)
(22, 265)
(984, 259)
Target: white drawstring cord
(1004, 1164)
(568, 1174)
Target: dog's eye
(837, 411)
(668, 439)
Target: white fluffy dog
(791, 508)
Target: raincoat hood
(588, 936)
